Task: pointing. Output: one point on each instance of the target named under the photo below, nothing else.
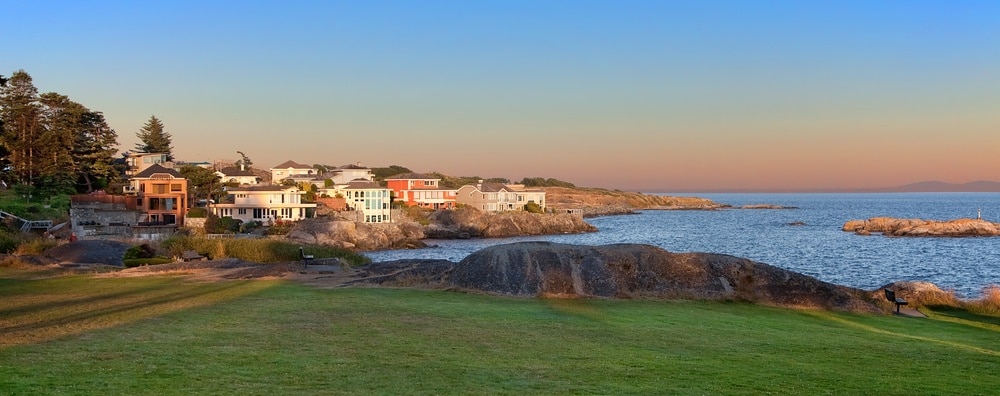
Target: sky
(652, 96)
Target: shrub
(9, 241)
(130, 263)
(143, 251)
(197, 212)
(35, 246)
(255, 250)
(532, 207)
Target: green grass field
(170, 335)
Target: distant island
(925, 186)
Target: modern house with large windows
(265, 204)
(371, 202)
(161, 196)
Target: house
(371, 202)
(351, 172)
(265, 204)
(135, 163)
(497, 197)
(417, 189)
(161, 195)
(292, 170)
(238, 175)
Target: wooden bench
(305, 257)
(891, 296)
(191, 255)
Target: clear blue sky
(639, 95)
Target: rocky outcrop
(472, 223)
(359, 236)
(546, 269)
(926, 228)
(601, 202)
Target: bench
(891, 296)
(305, 257)
(191, 255)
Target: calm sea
(819, 248)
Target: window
(241, 211)
(175, 187)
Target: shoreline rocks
(625, 271)
(922, 228)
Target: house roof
(234, 171)
(362, 184)
(261, 188)
(157, 168)
(493, 187)
(291, 164)
(411, 176)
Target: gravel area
(90, 252)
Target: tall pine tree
(20, 111)
(154, 139)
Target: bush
(9, 241)
(143, 251)
(532, 207)
(130, 263)
(196, 212)
(222, 225)
(35, 246)
(255, 250)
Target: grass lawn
(169, 335)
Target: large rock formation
(360, 236)
(472, 223)
(917, 227)
(623, 271)
(599, 202)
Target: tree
(243, 163)
(154, 139)
(202, 183)
(19, 108)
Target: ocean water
(818, 248)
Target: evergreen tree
(154, 139)
(20, 110)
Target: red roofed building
(416, 189)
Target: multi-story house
(265, 204)
(161, 195)
(496, 197)
(292, 170)
(135, 163)
(415, 189)
(372, 203)
(239, 175)
(351, 172)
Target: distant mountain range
(938, 186)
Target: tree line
(52, 145)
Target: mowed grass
(169, 335)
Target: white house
(135, 163)
(264, 204)
(351, 172)
(293, 170)
(371, 202)
(239, 175)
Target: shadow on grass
(74, 315)
(961, 316)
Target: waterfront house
(370, 201)
(265, 204)
(292, 170)
(415, 189)
(497, 197)
(161, 195)
(238, 175)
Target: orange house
(161, 196)
(420, 190)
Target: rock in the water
(917, 227)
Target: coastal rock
(468, 222)
(917, 227)
(545, 269)
(354, 235)
(600, 202)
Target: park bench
(305, 257)
(891, 296)
(191, 255)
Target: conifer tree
(20, 110)
(154, 139)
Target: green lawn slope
(175, 335)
